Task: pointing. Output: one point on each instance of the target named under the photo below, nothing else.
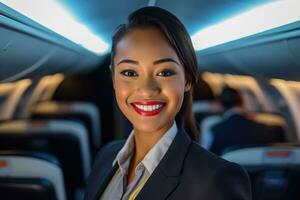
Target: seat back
(85, 112)
(203, 109)
(205, 136)
(10, 95)
(65, 140)
(31, 176)
(274, 171)
(269, 118)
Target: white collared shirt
(117, 188)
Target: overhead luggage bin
(270, 54)
(39, 51)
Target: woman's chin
(145, 128)
(151, 127)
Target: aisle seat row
(30, 175)
(273, 168)
(70, 132)
(83, 112)
(274, 171)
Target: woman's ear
(187, 86)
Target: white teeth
(148, 108)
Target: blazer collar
(166, 176)
(176, 153)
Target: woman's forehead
(146, 42)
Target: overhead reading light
(52, 15)
(259, 19)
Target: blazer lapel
(166, 176)
(104, 180)
(103, 170)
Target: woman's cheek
(175, 87)
(122, 83)
(175, 94)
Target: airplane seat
(207, 113)
(269, 118)
(85, 112)
(65, 140)
(273, 120)
(205, 125)
(30, 175)
(256, 129)
(274, 171)
(205, 108)
(204, 100)
(10, 96)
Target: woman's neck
(145, 141)
(143, 144)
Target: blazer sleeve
(229, 182)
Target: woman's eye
(130, 73)
(166, 73)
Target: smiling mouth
(149, 108)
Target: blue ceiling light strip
(55, 17)
(256, 20)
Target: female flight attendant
(154, 69)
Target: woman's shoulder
(218, 178)
(201, 161)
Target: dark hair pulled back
(180, 41)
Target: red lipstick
(148, 108)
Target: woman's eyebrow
(128, 61)
(165, 60)
(155, 62)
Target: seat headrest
(270, 155)
(24, 165)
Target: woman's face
(149, 80)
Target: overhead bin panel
(293, 45)
(274, 54)
(60, 60)
(28, 50)
(18, 55)
(269, 60)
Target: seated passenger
(238, 129)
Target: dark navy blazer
(186, 172)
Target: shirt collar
(126, 152)
(153, 157)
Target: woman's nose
(148, 87)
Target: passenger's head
(230, 98)
(153, 62)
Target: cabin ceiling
(103, 16)
(276, 55)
